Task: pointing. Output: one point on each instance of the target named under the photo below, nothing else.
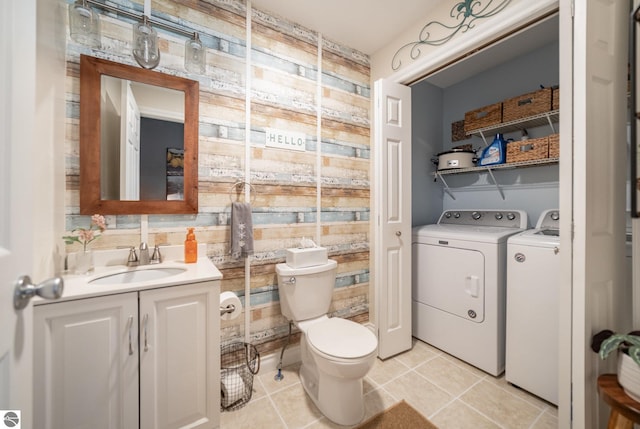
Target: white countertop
(108, 262)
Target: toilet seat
(341, 339)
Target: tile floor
(451, 393)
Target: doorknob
(25, 290)
(398, 233)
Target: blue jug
(495, 153)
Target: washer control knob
(476, 215)
(499, 216)
(447, 215)
(511, 216)
(555, 215)
(456, 215)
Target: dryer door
(449, 279)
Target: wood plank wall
(284, 94)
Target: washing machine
(533, 281)
(458, 283)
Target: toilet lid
(342, 338)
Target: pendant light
(84, 27)
(195, 55)
(145, 44)
(84, 24)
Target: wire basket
(239, 362)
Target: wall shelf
(505, 166)
(489, 169)
(547, 118)
(542, 119)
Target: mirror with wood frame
(138, 140)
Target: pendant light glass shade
(84, 24)
(145, 44)
(195, 55)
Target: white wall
(49, 134)
(432, 57)
(426, 141)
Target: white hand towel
(241, 230)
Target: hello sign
(285, 139)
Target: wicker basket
(528, 150)
(529, 104)
(457, 131)
(555, 99)
(483, 117)
(554, 146)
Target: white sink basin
(135, 276)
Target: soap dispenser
(190, 247)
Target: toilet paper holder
(228, 309)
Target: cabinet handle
(130, 322)
(145, 321)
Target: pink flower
(85, 236)
(98, 220)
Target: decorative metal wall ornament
(469, 11)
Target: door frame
(517, 19)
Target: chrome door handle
(145, 322)
(130, 322)
(24, 290)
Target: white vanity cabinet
(145, 359)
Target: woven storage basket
(457, 131)
(554, 146)
(483, 117)
(525, 105)
(555, 99)
(528, 150)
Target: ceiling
(365, 25)
(369, 25)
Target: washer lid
(342, 338)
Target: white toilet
(336, 353)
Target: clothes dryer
(458, 283)
(533, 273)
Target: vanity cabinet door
(86, 363)
(179, 363)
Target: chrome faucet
(156, 258)
(132, 261)
(144, 254)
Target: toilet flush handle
(292, 280)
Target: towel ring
(242, 184)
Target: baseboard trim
(269, 363)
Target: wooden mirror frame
(91, 71)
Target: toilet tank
(305, 293)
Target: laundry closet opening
(518, 64)
(465, 211)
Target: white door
(179, 365)
(130, 145)
(86, 362)
(392, 230)
(17, 110)
(598, 181)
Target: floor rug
(399, 416)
